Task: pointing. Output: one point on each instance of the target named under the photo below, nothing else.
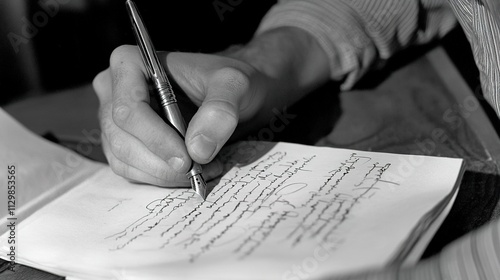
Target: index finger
(131, 110)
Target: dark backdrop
(75, 44)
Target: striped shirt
(358, 35)
(364, 33)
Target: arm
(357, 34)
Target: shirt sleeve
(480, 20)
(358, 34)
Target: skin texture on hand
(234, 89)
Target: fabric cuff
(338, 30)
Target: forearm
(292, 63)
(289, 56)
(358, 34)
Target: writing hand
(237, 87)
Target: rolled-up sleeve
(358, 34)
(480, 20)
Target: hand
(239, 86)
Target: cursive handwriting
(276, 198)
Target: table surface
(420, 107)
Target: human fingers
(130, 158)
(218, 115)
(152, 172)
(222, 87)
(126, 153)
(152, 175)
(131, 112)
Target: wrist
(289, 56)
(290, 64)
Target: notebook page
(280, 211)
(41, 170)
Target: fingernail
(203, 146)
(176, 163)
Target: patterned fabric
(480, 20)
(363, 33)
(475, 256)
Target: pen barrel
(171, 110)
(168, 103)
(195, 170)
(164, 91)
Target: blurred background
(50, 45)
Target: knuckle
(105, 122)
(120, 54)
(120, 113)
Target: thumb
(217, 117)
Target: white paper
(282, 211)
(43, 170)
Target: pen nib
(199, 185)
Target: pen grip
(175, 118)
(170, 109)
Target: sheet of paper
(41, 170)
(281, 211)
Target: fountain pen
(163, 89)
